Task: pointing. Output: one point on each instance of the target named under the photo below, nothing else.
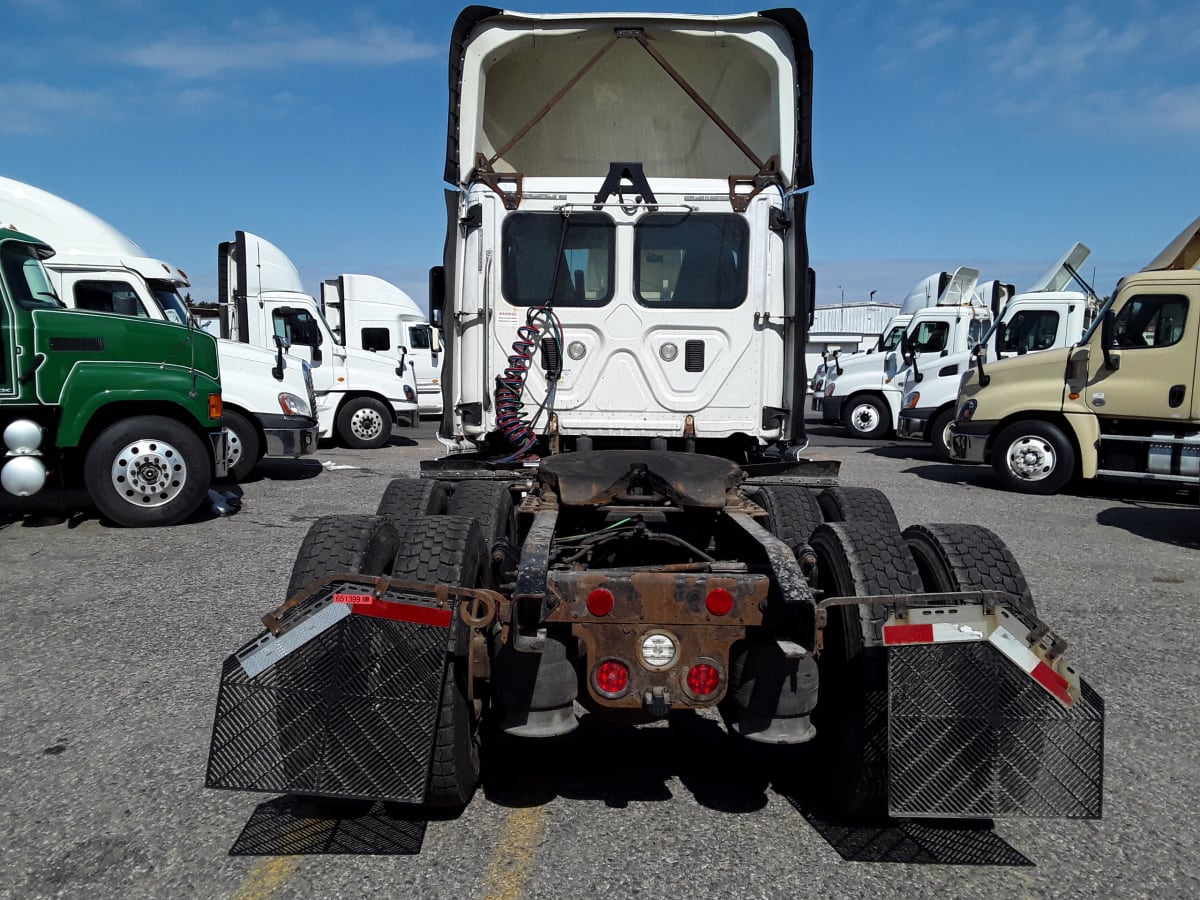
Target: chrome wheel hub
(1031, 458)
(865, 418)
(366, 424)
(149, 473)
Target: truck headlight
(293, 405)
(829, 388)
(912, 400)
(966, 410)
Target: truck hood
(507, 71)
(1058, 276)
(1040, 375)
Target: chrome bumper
(968, 448)
(911, 426)
(289, 437)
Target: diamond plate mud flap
(340, 698)
(986, 721)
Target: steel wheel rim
(946, 435)
(865, 418)
(366, 423)
(1031, 458)
(149, 473)
(233, 449)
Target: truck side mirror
(281, 344)
(1107, 327)
(437, 295)
(810, 299)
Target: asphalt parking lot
(113, 641)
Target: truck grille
(308, 383)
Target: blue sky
(945, 133)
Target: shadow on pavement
(1166, 524)
(620, 765)
(290, 826)
(286, 470)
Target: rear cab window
(691, 260)
(563, 259)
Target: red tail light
(703, 679)
(719, 602)
(600, 602)
(612, 677)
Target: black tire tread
(857, 559)
(404, 498)
(447, 550)
(792, 511)
(857, 504)
(963, 557)
(490, 504)
(358, 544)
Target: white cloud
(32, 108)
(932, 33)
(275, 47)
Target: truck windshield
(691, 260)
(890, 340)
(25, 278)
(168, 298)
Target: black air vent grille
(551, 355)
(693, 356)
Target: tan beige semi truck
(1121, 403)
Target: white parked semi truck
(865, 394)
(359, 395)
(268, 397)
(1042, 318)
(368, 313)
(627, 523)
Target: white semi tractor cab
(833, 363)
(268, 398)
(865, 395)
(369, 313)
(359, 395)
(1042, 318)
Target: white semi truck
(268, 398)
(369, 313)
(359, 395)
(1045, 316)
(627, 524)
(865, 396)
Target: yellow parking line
(513, 856)
(267, 877)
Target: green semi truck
(128, 409)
